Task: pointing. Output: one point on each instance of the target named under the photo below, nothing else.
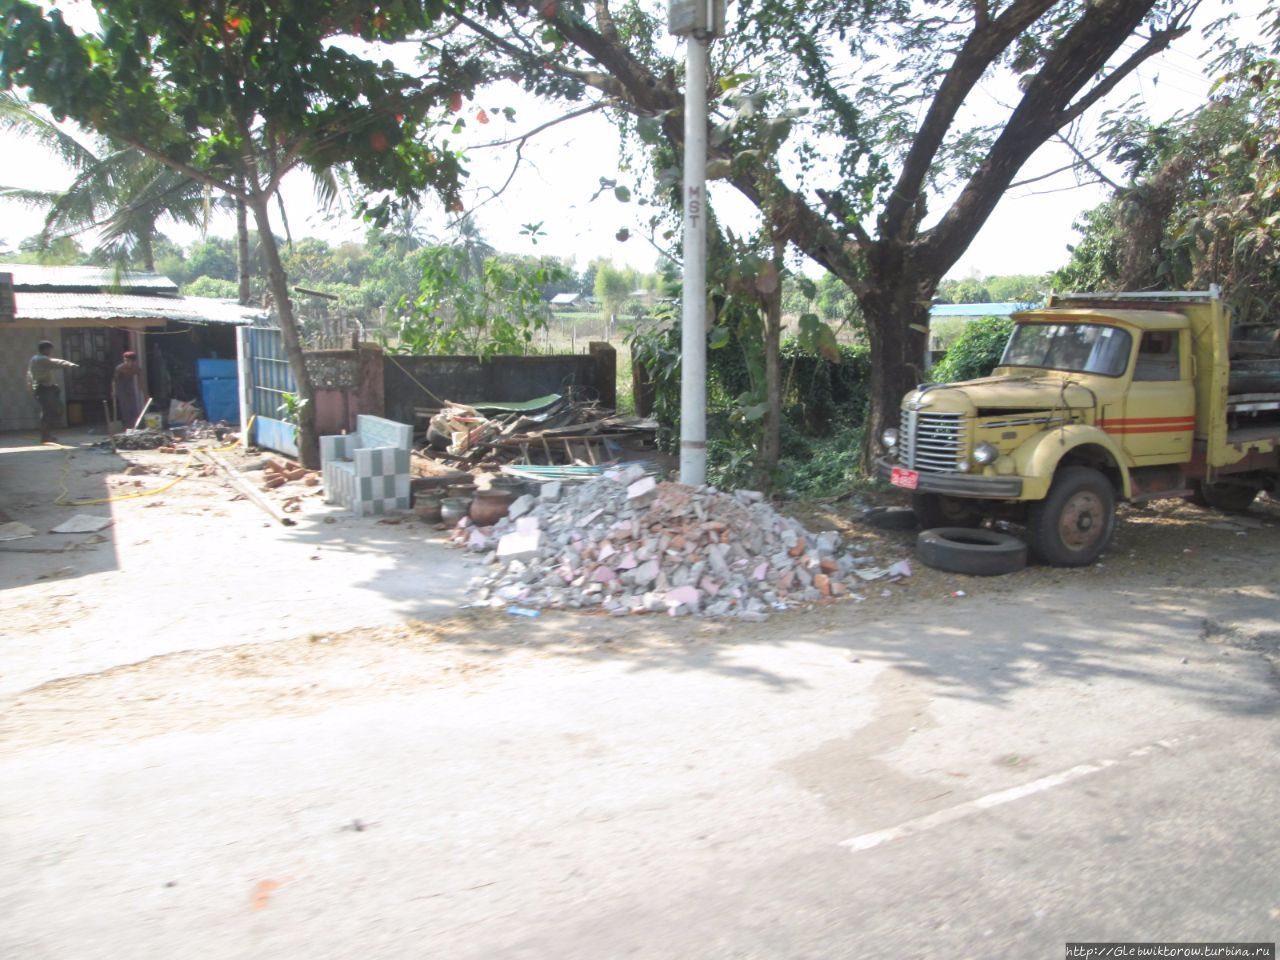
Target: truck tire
(935, 510)
(1075, 522)
(982, 553)
(1228, 497)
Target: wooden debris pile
(550, 431)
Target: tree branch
(1083, 161)
(988, 40)
(195, 173)
(604, 21)
(1156, 43)
(838, 207)
(534, 58)
(1048, 105)
(524, 137)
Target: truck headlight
(985, 453)
(889, 437)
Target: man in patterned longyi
(41, 373)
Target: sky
(561, 167)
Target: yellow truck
(1098, 398)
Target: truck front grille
(932, 442)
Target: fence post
(605, 360)
(244, 366)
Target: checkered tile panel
(364, 479)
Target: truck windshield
(1078, 347)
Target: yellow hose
(62, 500)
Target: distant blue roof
(977, 309)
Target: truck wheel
(1196, 495)
(935, 510)
(983, 553)
(1227, 497)
(1074, 523)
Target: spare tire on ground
(891, 518)
(980, 552)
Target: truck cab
(1098, 397)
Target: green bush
(976, 352)
(212, 287)
(821, 466)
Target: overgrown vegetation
(823, 407)
(1201, 203)
(976, 352)
(495, 307)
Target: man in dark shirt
(41, 372)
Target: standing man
(40, 376)
(125, 388)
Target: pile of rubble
(626, 543)
(139, 440)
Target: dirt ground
(189, 664)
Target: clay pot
(466, 490)
(490, 506)
(427, 506)
(453, 509)
(516, 485)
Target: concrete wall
(18, 409)
(498, 380)
(347, 383)
(350, 382)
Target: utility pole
(698, 21)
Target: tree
(459, 311)
(236, 95)
(976, 352)
(1202, 200)
(117, 190)
(613, 287)
(968, 290)
(63, 251)
(885, 86)
(214, 257)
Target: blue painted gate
(266, 378)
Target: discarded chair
(368, 471)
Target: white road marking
(938, 818)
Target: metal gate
(265, 378)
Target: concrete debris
(82, 523)
(139, 440)
(625, 544)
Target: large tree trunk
(896, 311)
(242, 245)
(308, 443)
(147, 251)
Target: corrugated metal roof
(114, 306)
(978, 309)
(37, 277)
(566, 298)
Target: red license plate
(907, 479)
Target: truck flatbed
(1253, 402)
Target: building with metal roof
(971, 310)
(92, 316)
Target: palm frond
(28, 198)
(17, 116)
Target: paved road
(956, 780)
(191, 568)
